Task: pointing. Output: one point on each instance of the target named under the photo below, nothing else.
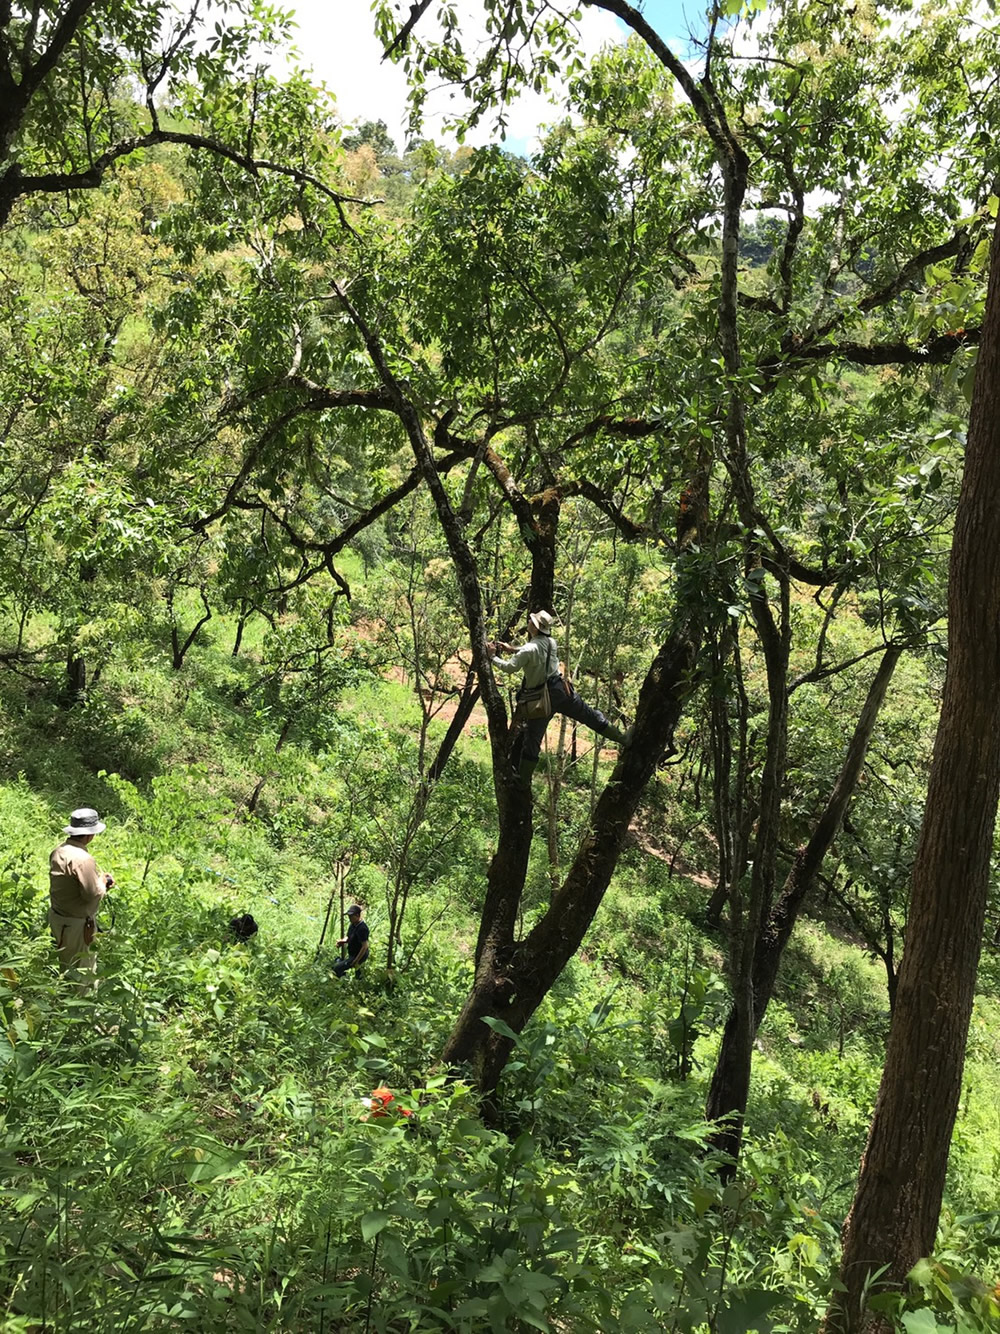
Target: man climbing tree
(543, 692)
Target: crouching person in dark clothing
(538, 661)
(356, 941)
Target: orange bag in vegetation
(378, 1104)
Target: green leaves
(205, 1163)
(921, 1322)
(504, 1029)
(373, 1222)
(747, 1311)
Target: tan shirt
(538, 659)
(76, 886)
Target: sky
(336, 40)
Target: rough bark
(545, 514)
(734, 824)
(894, 1217)
(76, 679)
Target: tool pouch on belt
(533, 703)
(89, 930)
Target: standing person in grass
(356, 941)
(538, 660)
(76, 887)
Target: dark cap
(85, 821)
(354, 911)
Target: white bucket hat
(541, 622)
(85, 821)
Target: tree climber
(538, 660)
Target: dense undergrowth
(189, 1148)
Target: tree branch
(630, 531)
(933, 255)
(320, 400)
(65, 31)
(15, 184)
(403, 36)
(822, 673)
(767, 305)
(724, 143)
(330, 548)
(937, 350)
(630, 428)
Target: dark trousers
(528, 742)
(340, 966)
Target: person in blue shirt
(538, 662)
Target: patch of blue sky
(676, 21)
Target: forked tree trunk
(894, 1217)
(513, 977)
(727, 1097)
(179, 648)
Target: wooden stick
(342, 876)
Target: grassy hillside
(189, 1147)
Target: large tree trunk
(894, 1217)
(727, 1097)
(542, 545)
(513, 977)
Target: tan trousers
(74, 952)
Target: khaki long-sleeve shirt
(76, 885)
(538, 659)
